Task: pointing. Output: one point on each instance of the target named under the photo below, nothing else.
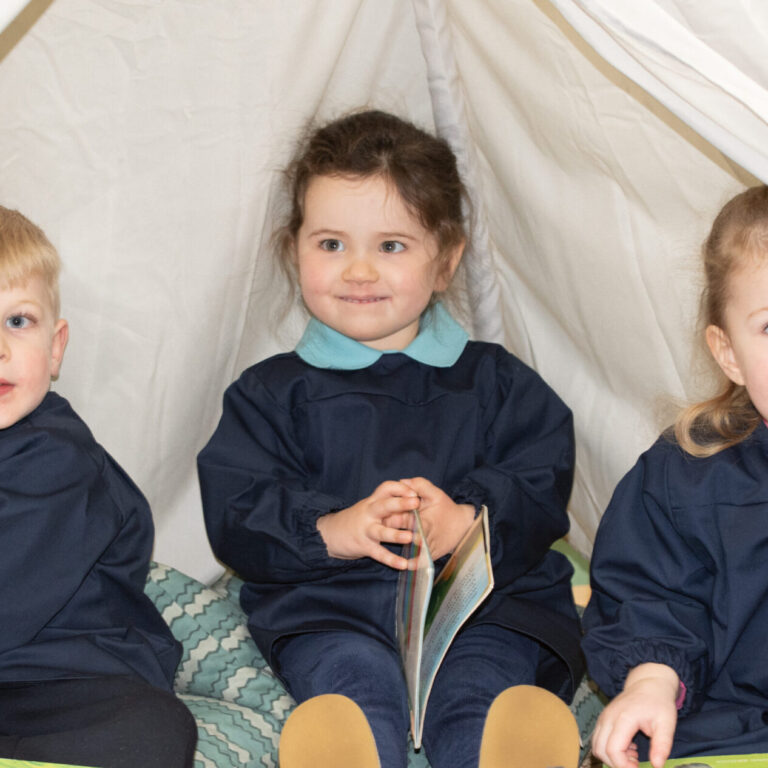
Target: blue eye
(17, 322)
(392, 246)
(332, 245)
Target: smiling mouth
(362, 299)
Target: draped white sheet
(596, 195)
(599, 139)
(706, 62)
(145, 138)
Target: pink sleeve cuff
(681, 691)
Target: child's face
(741, 348)
(367, 267)
(32, 346)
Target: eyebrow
(20, 305)
(324, 231)
(340, 233)
(397, 236)
(758, 311)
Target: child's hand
(358, 531)
(646, 704)
(444, 521)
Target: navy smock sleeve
(76, 537)
(650, 588)
(44, 527)
(260, 514)
(526, 472)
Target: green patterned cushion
(237, 702)
(219, 658)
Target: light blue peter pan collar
(439, 343)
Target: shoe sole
(529, 727)
(328, 731)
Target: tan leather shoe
(328, 731)
(529, 727)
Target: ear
(450, 267)
(720, 346)
(58, 345)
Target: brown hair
(739, 233)
(26, 252)
(372, 143)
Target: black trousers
(105, 722)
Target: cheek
(309, 283)
(311, 271)
(313, 289)
(431, 278)
(35, 370)
(43, 365)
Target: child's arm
(646, 704)
(651, 592)
(57, 518)
(260, 512)
(525, 471)
(265, 519)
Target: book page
(465, 581)
(413, 590)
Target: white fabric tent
(599, 138)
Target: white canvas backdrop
(146, 137)
(597, 196)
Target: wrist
(324, 523)
(464, 519)
(660, 676)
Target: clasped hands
(385, 517)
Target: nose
(360, 269)
(5, 347)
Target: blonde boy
(86, 661)
(33, 337)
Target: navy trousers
(109, 722)
(483, 661)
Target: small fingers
(394, 506)
(419, 485)
(599, 736)
(661, 743)
(383, 555)
(602, 741)
(618, 744)
(394, 488)
(394, 535)
(402, 520)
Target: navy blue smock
(296, 442)
(680, 577)
(75, 541)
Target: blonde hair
(26, 252)
(739, 234)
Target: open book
(719, 761)
(431, 610)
